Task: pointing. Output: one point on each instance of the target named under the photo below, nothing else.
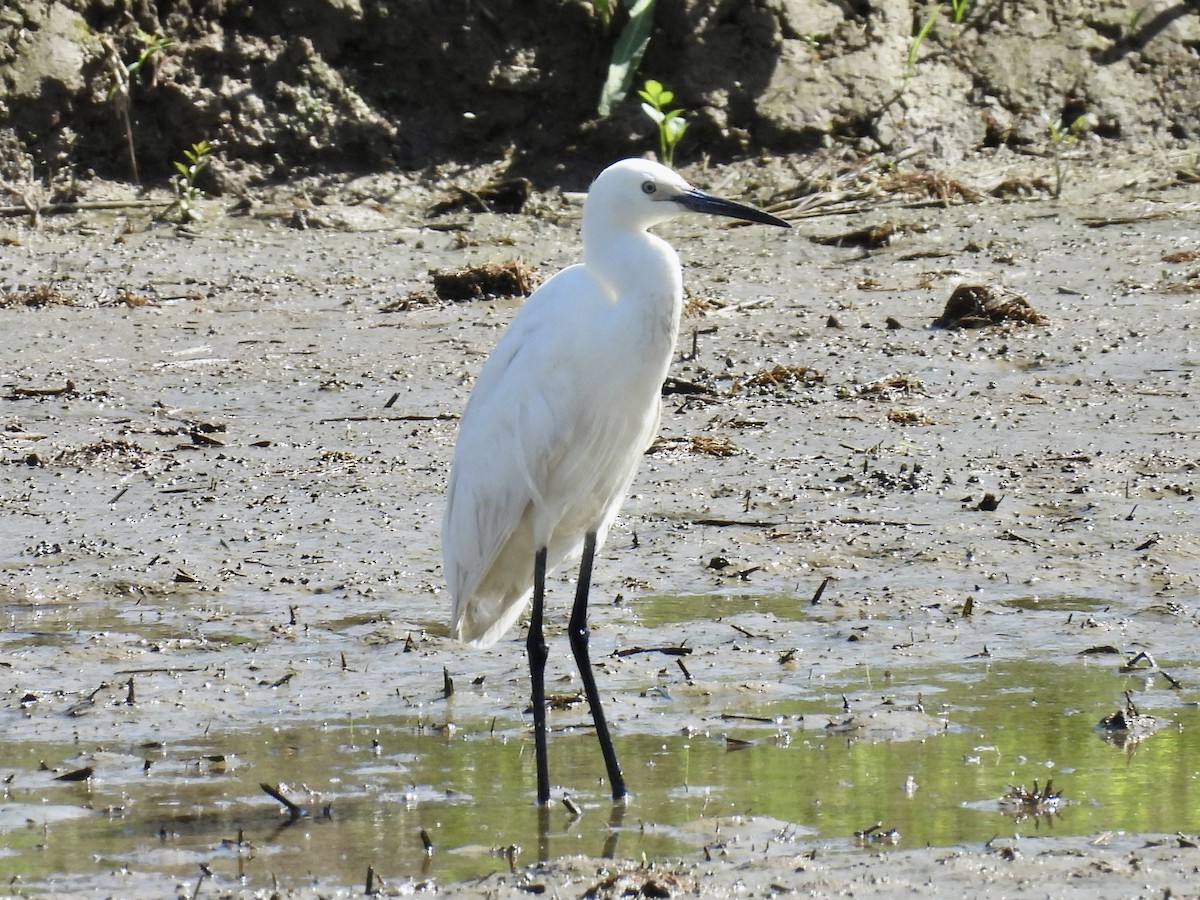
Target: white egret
(561, 414)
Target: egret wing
(515, 425)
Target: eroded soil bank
(221, 468)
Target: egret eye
(649, 187)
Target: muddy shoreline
(222, 466)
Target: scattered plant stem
(671, 124)
(123, 75)
(1060, 137)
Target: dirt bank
(363, 85)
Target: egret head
(636, 194)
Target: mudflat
(222, 457)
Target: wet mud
(875, 578)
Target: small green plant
(183, 182)
(670, 122)
(151, 44)
(1060, 138)
(627, 52)
(915, 42)
(123, 75)
(958, 10)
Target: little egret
(562, 411)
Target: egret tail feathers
(482, 624)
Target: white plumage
(565, 407)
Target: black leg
(543, 833)
(579, 646)
(535, 646)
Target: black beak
(698, 201)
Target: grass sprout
(914, 44)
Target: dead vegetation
(700, 444)
(1127, 726)
(35, 297)
(981, 305)
(487, 282)
(858, 184)
(1024, 803)
(508, 195)
(642, 881)
(871, 237)
(890, 388)
(490, 281)
(783, 379)
(121, 455)
(909, 417)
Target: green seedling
(151, 44)
(123, 74)
(1060, 138)
(916, 41)
(958, 10)
(187, 196)
(671, 124)
(914, 44)
(627, 52)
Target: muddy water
(219, 563)
(372, 786)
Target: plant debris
(1022, 802)
(980, 305)
(652, 883)
(871, 237)
(83, 774)
(23, 393)
(1022, 187)
(936, 185)
(783, 378)
(486, 282)
(891, 387)
(119, 454)
(1127, 726)
(1181, 256)
(909, 417)
(489, 281)
(706, 445)
(37, 296)
(506, 196)
(877, 834)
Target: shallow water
(371, 786)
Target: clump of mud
(980, 305)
